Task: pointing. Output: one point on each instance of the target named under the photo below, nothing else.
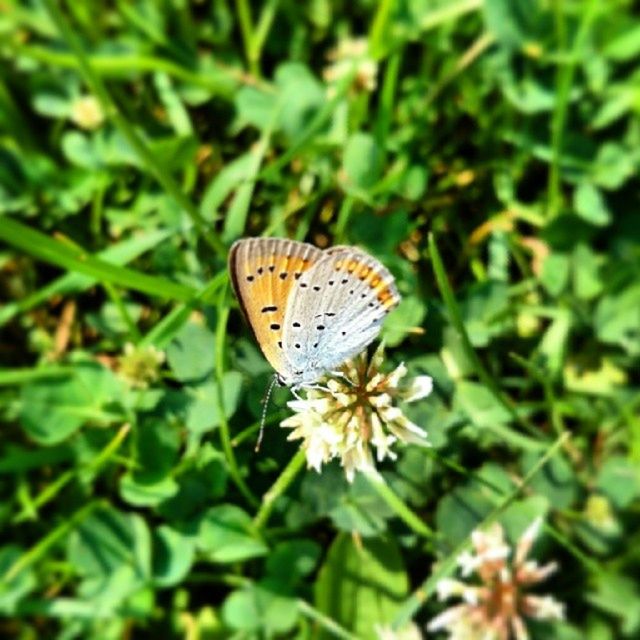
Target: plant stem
(61, 481)
(564, 82)
(225, 437)
(40, 548)
(262, 31)
(413, 521)
(278, 488)
(245, 21)
(324, 621)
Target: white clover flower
(496, 608)
(349, 54)
(140, 366)
(354, 414)
(87, 113)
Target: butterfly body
(309, 309)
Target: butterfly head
(299, 379)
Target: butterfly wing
(336, 309)
(263, 272)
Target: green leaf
(479, 404)
(587, 281)
(513, 22)
(80, 150)
(226, 535)
(613, 166)
(619, 479)
(13, 591)
(254, 107)
(624, 46)
(460, 511)
(361, 586)
(590, 205)
(381, 235)
(262, 608)
(51, 410)
(191, 353)
(73, 258)
(109, 539)
(553, 346)
(618, 595)
(112, 551)
(118, 254)
(289, 562)
(361, 162)
(517, 517)
(483, 311)
(556, 481)
(403, 320)
(300, 97)
(142, 492)
(617, 319)
(203, 411)
(361, 509)
(555, 273)
(229, 178)
(238, 211)
(173, 555)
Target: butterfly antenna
(265, 405)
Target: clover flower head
(86, 112)
(496, 607)
(140, 366)
(349, 54)
(355, 413)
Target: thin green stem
(564, 81)
(475, 50)
(344, 215)
(245, 20)
(43, 545)
(221, 81)
(447, 12)
(23, 376)
(387, 100)
(377, 35)
(112, 111)
(514, 438)
(447, 566)
(50, 492)
(413, 521)
(263, 27)
(252, 429)
(225, 437)
(116, 298)
(164, 331)
(278, 488)
(550, 400)
(324, 621)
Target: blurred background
(486, 151)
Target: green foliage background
(493, 169)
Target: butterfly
(310, 310)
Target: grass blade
(72, 258)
